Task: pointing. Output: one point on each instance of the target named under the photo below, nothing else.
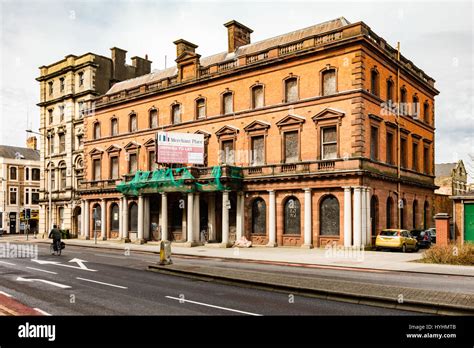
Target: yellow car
(396, 239)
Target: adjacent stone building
(451, 178)
(302, 140)
(67, 88)
(20, 186)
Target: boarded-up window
(374, 82)
(227, 152)
(132, 163)
(374, 143)
(258, 150)
(114, 225)
(426, 160)
(390, 148)
(96, 168)
(114, 167)
(97, 130)
(201, 108)
(403, 153)
(291, 146)
(329, 82)
(176, 113)
(329, 142)
(291, 90)
(259, 216)
(133, 123)
(114, 127)
(292, 216)
(153, 118)
(415, 157)
(228, 103)
(257, 97)
(329, 216)
(133, 218)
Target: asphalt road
(109, 282)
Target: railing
(205, 71)
(227, 65)
(323, 39)
(257, 57)
(326, 165)
(290, 48)
(99, 184)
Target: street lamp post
(50, 220)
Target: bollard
(165, 253)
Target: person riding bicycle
(55, 234)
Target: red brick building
(303, 127)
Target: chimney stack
(142, 65)
(32, 143)
(237, 35)
(184, 46)
(118, 61)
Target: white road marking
(8, 263)
(41, 270)
(4, 293)
(80, 263)
(42, 311)
(208, 305)
(56, 263)
(95, 281)
(62, 286)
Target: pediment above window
(113, 148)
(227, 130)
(291, 120)
(328, 114)
(96, 151)
(149, 143)
(207, 135)
(133, 145)
(257, 125)
(187, 56)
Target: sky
(436, 36)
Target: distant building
(451, 178)
(20, 185)
(66, 90)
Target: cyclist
(55, 234)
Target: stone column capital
(307, 189)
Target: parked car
(396, 239)
(423, 238)
(433, 234)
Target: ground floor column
(347, 216)
(225, 218)
(189, 220)
(86, 219)
(211, 217)
(197, 218)
(103, 218)
(367, 217)
(307, 219)
(140, 225)
(146, 218)
(120, 218)
(164, 216)
(125, 220)
(363, 198)
(357, 216)
(272, 219)
(240, 215)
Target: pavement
(88, 281)
(370, 260)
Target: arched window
(403, 220)
(329, 216)
(257, 97)
(97, 130)
(132, 125)
(227, 103)
(62, 174)
(113, 127)
(114, 217)
(153, 121)
(389, 91)
(96, 217)
(416, 106)
(259, 217)
(403, 101)
(291, 89)
(425, 215)
(292, 216)
(200, 108)
(415, 212)
(133, 217)
(375, 82)
(426, 112)
(176, 113)
(374, 213)
(389, 212)
(329, 81)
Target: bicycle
(56, 248)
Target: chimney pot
(237, 35)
